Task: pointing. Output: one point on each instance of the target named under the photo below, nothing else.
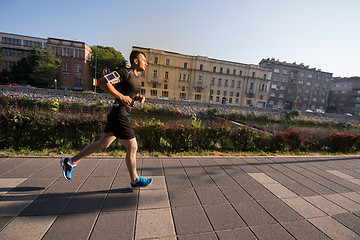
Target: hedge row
(36, 130)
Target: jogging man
(125, 86)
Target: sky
(324, 34)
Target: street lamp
(55, 81)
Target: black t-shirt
(129, 85)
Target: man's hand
(126, 100)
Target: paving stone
(353, 196)
(260, 193)
(273, 231)
(223, 180)
(177, 181)
(152, 167)
(147, 228)
(114, 225)
(262, 178)
(120, 199)
(300, 189)
(280, 211)
(27, 227)
(334, 186)
(236, 194)
(202, 236)
(12, 205)
(349, 220)
(105, 168)
(9, 183)
(223, 217)
(304, 208)
(333, 228)
(344, 202)
(210, 195)
(157, 198)
(11, 163)
(32, 186)
(339, 174)
(81, 226)
(52, 170)
(325, 205)
(244, 179)
(201, 180)
(173, 168)
(236, 234)
(4, 221)
(189, 220)
(183, 197)
(303, 230)
(25, 170)
(84, 168)
(158, 182)
(253, 214)
(280, 191)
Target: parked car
(161, 97)
(26, 85)
(348, 114)
(319, 111)
(12, 84)
(308, 111)
(185, 100)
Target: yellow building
(200, 79)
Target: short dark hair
(135, 54)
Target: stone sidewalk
(315, 197)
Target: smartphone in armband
(112, 77)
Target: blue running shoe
(141, 182)
(67, 169)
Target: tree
(46, 68)
(106, 59)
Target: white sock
(70, 162)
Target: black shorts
(120, 126)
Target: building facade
(74, 71)
(200, 79)
(344, 96)
(296, 86)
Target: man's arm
(110, 89)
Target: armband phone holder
(112, 77)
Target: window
(300, 82)
(225, 93)
(183, 88)
(78, 82)
(66, 52)
(154, 85)
(200, 79)
(66, 67)
(317, 84)
(55, 50)
(231, 94)
(156, 60)
(253, 74)
(166, 75)
(252, 85)
(327, 79)
(226, 83)
(230, 100)
(221, 70)
(275, 79)
(165, 86)
(319, 77)
(302, 74)
(217, 99)
(310, 76)
(165, 94)
(77, 68)
(272, 94)
(281, 95)
(153, 92)
(155, 73)
(167, 62)
(299, 90)
(238, 84)
(228, 71)
(264, 76)
(276, 70)
(234, 72)
(182, 95)
(284, 80)
(184, 77)
(308, 83)
(285, 72)
(274, 86)
(282, 88)
(78, 53)
(307, 91)
(142, 84)
(185, 65)
(219, 82)
(201, 67)
(236, 100)
(218, 92)
(306, 98)
(314, 99)
(322, 100)
(142, 92)
(214, 69)
(240, 73)
(232, 83)
(237, 94)
(213, 81)
(197, 97)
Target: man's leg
(131, 149)
(103, 143)
(69, 164)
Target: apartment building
(296, 86)
(344, 96)
(74, 72)
(201, 79)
